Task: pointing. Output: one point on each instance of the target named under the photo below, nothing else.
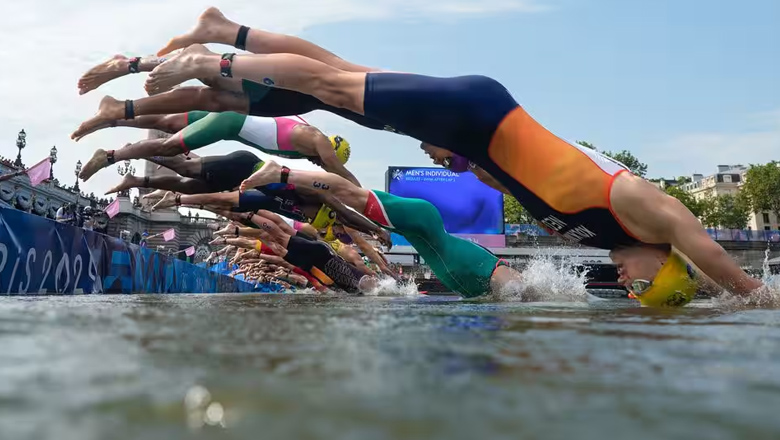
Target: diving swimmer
(464, 267)
(582, 195)
(311, 256)
(287, 137)
(303, 204)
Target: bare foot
(154, 195)
(168, 200)
(226, 230)
(110, 110)
(116, 67)
(128, 181)
(270, 172)
(98, 162)
(212, 27)
(177, 69)
(218, 240)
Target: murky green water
(305, 367)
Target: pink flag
(39, 172)
(190, 251)
(169, 235)
(113, 208)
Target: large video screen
(466, 205)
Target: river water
(415, 367)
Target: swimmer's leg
(116, 67)
(183, 185)
(180, 164)
(278, 221)
(332, 86)
(229, 200)
(180, 100)
(213, 27)
(348, 193)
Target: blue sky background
(684, 85)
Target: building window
(767, 228)
(766, 217)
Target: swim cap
(342, 148)
(456, 163)
(324, 218)
(329, 235)
(673, 286)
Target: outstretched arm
(371, 253)
(685, 233)
(488, 180)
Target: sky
(683, 85)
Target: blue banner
(38, 255)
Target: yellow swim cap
(342, 148)
(324, 218)
(673, 286)
(329, 235)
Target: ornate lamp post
(53, 158)
(21, 142)
(77, 172)
(127, 169)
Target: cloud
(48, 44)
(756, 141)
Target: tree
(762, 187)
(683, 179)
(726, 211)
(695, 206)
(587, 145)
(514, 212)
(625, 157)
(734, 211)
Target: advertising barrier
(40, 256)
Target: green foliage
(625, 157)
(696, 207)
(683, 179)
(762, 187)
(514, 212)
(725, 211)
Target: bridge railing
(525, 232)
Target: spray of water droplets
(767, 296)
(546, 279)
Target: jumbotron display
(468, 207)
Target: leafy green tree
(625, 157)
(734, 211)
(683, 179)
(761, 188)
(695, 206)
(514, 212)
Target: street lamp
(21, 142)
(77, 172)
(127, 169)
(53, 158)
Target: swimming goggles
(638, 287)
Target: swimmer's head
(446, 158)
(341, 147)
(657, 276)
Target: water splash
(547, 279)
(768, 296)
(389, 287)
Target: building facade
(729, 180)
